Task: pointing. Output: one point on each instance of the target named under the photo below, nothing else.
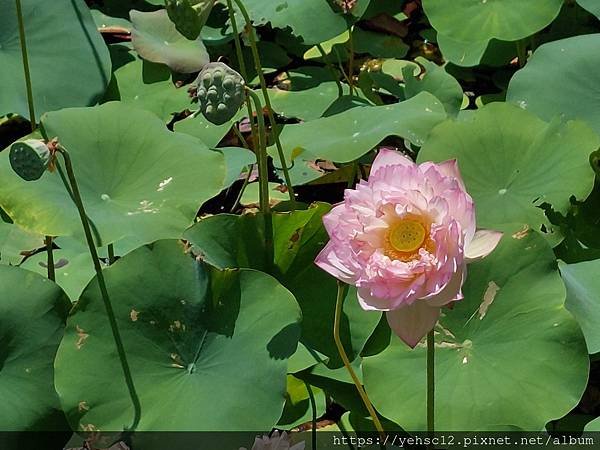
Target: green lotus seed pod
(29, 159)
(220, 92)
(185, 18)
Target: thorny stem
(74, 188)
(265, 92)
(263, 177)
(431, 382)
(26, 64)
(50, 262)
(341, 294)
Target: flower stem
(263, 177)
(341, 294)
(265, 92)
(74, 189)
(26, 64)
(50, 261)
(430, 382)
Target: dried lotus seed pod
(220, 92)
(29, 159)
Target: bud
(220, 92)
(30, 159)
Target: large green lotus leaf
(136, 177)
(308, 104)
(32, 317)
(499, 352)
(435, 81)
(193, 337)
(238, 241)
(461, 53)
(156, 39)
(74, 270)
(313, 20)
(148, 85)
(561, 78)
(591, 5)
(16, 242)
(75, 56)
(594, 425)
(483, 20)
(379, 45)
(298, 408)
(236, 159)
(583, 298)
(347, 136)
(204, 130)
(512, 162)
(73, 264)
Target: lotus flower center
(407, 236)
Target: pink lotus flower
(404, 238)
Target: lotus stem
(522, 52)
(341, 294)
(26, 64)
(263, 177)
(74, 189)
(241, 62)
(313, 407)
(50, 259)
(351, 60)
(111, 254)
(331, 69)
(265, 92)
(242, 189)
(431, 382)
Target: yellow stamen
(406, 237)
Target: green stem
(430, 382)
(50, 263)
(242, 64)
(26, 64)
(313, 407)
(241, 137)
(263, 177)
(341, 294)
(265, 92)
(522, 52)
(111, 254)
(103, 289)
(242, 189)
(331, 69)
(351, 60)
